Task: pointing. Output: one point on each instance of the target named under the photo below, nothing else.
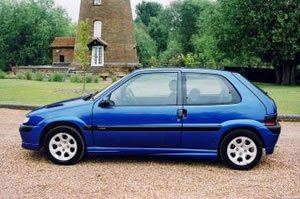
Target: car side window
(153, 89)
(207, 89)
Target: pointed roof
(96, 42)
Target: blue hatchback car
(193, 113)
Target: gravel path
(26, 174)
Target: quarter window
(97, 29)
(147, 90)
(97, 56)
(206, 89)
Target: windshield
(105, 89)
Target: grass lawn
(41, 93)
(287, 98)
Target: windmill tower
(113, 44)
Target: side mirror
(105, 102)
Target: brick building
(63, 50)
(112, 45)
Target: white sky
(72, 6)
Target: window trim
(93, 56)
(179, 90)
(97, 4)
(94, 28)
(226, 81)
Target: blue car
(185, 113)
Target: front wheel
(64, 145)
(241, 149)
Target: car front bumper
(30, 137)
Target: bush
(96, 79)
(57, 77)
(89, 79)
(20, 76)
(2, 74)
(114, 78)
(28, 75)
(38, 77)
(75, 79)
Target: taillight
(271, 120)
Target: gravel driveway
(29, 174)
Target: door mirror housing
(105, 103)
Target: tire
(241, 150)
(64, 145)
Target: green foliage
(153, 62)
(21, 76)
(75, 79)
(173, 55)
(190, 60)
(28, 75)
(96, 79)
(38, 76)
(82, 50)
(27, 29)
(57, 77)
(2, 74)
(114, 78)
(82, 53)
(159, 29)
(270, 30)
(219, 33)
(146, 10)
(146, 46)
(89, 79)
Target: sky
(72, 6)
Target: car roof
(191, 70)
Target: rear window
(252, 84)
(207, 89)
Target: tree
(146, 10)
(269, 30)
(159, 30)
(185, 16)
(27, 29)
(146, 46)
(82, 53)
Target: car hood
(62, 105)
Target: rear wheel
(64, 145)
(241, 149)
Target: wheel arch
(249, 128)
(52, 125)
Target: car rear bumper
(30, 137)
(270, 137)
(275, 129)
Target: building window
(61, 58)
(97, 2)
(97, 56)
(97, 29)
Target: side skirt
(161, 152)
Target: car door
(209, 100)
(142, 113)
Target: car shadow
(150, 159)
(40, 156)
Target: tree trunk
(293, 74)
(84, 80)
(288, 73)
(278, 72)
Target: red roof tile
(63, 42)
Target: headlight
(26, 120)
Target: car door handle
(181, 113)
